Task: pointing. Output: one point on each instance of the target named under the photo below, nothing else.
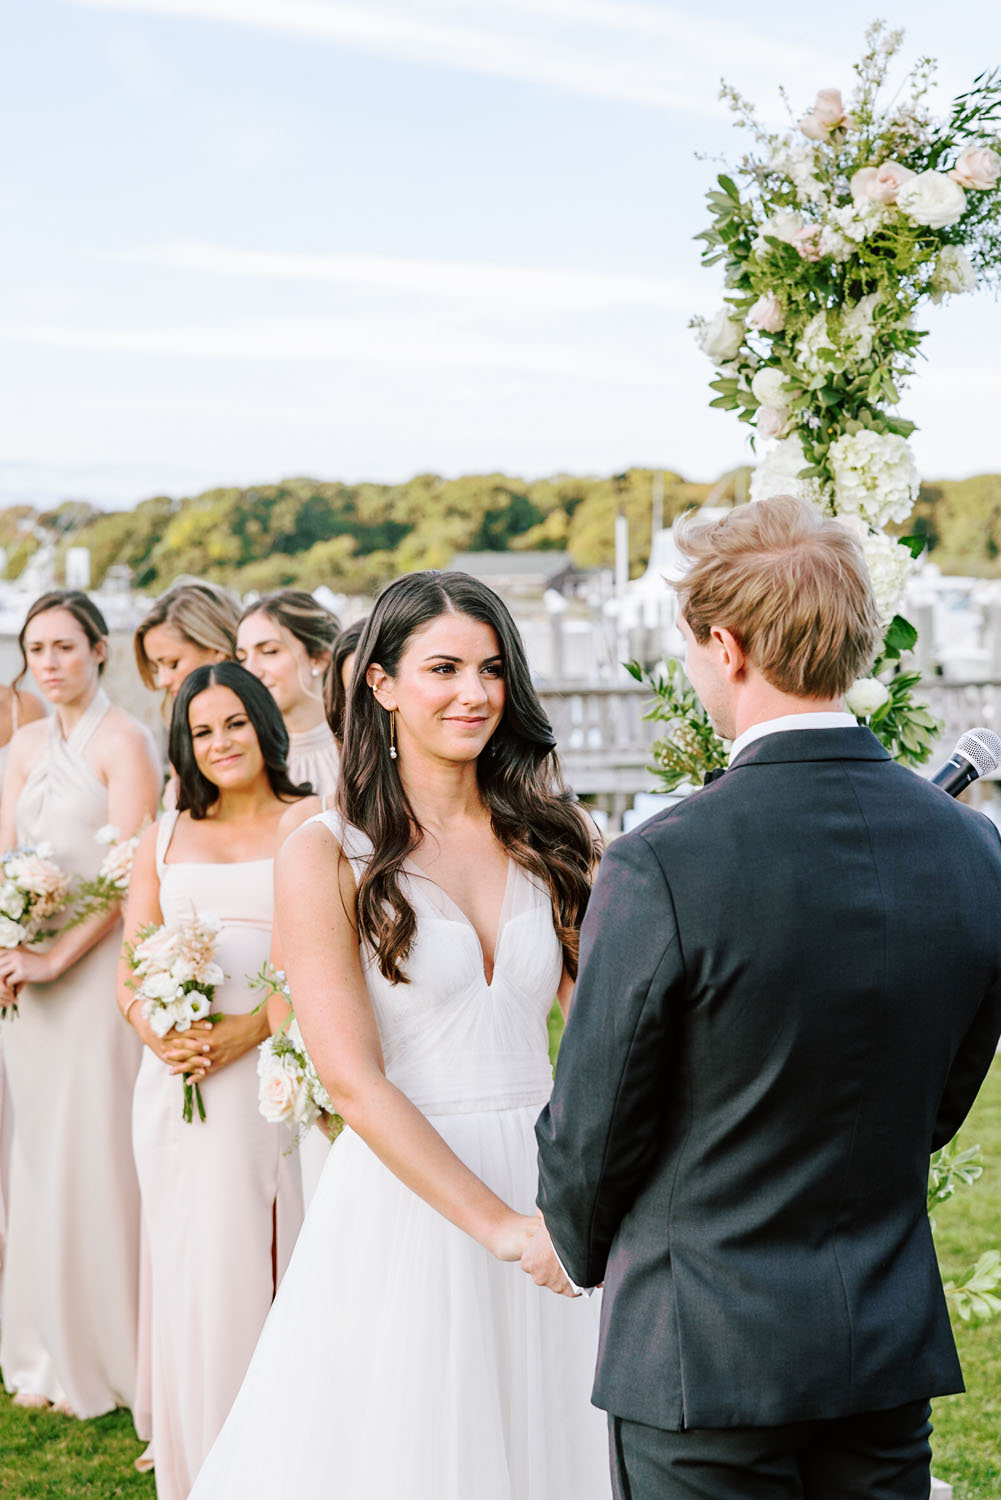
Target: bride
(425, 931)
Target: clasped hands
(538, 1260)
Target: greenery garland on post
(841, 228)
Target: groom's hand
(538, 1260)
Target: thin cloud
(590, 47)
(529, 288)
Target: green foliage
(690, 746)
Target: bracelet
(125, 1012)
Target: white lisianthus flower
(161, 986)
(780, 226)
(865, 696)
(160, 1018)
(198, 1005)
(722, 336)
(211, 974)
(875, 476)
(11, 933)
(933, 199)
(12, 901)
(858, 325)
(777, 473)
(815, 336)
(769, 386)
(107, 834)
(953, 273)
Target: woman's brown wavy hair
(532, 812)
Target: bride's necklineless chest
(488, 923)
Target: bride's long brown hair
(532, 812)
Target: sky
(251, 239)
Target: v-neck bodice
(452, 1041)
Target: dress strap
(164, 833)
(88, 721)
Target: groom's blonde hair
(791, 585)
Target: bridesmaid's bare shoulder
(296, 814)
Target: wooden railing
(604, 740)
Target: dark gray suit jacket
(789, 995)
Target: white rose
(12, 901)
(722, 337)
(977, 167)
(160, 986)
(11, 933)
(278, 1091)
(865, 696)
(932, 199)
(767, 314)
(768, 386)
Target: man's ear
(731, 655)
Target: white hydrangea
(875, 476)
(849, 333)
(890, 566)
(953, 273)
(769, 387)
(777, 473)
(799, 164)
(858, 219)
(834, 245)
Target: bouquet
(33, 889)
(289, 1089)
(111, 883)
(175, 976)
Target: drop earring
(392, 734)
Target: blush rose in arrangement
(33, 890)
(290, 1091)
(174, 975)
(832, 235)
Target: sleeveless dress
(401, 1361)
(6, 1113)
(221, 1204)
(71, 1273)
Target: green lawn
(45, 1457)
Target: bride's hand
(511, 1235)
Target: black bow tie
(712, 776)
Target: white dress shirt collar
(787, 722)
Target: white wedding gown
(401, 1361)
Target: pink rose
(977, 167)
(807, 241)
(767, 314)
(826, 116)
(771, 421)
(881, 184)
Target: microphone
(977, 753)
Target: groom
(789, 995)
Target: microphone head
(982, 748)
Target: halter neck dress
(222, 1204)
(68, 1328)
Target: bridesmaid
(70, 1285)
(192, 624)
(16, 708)
(222, 1204)
(339, 681)
(286, 640)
